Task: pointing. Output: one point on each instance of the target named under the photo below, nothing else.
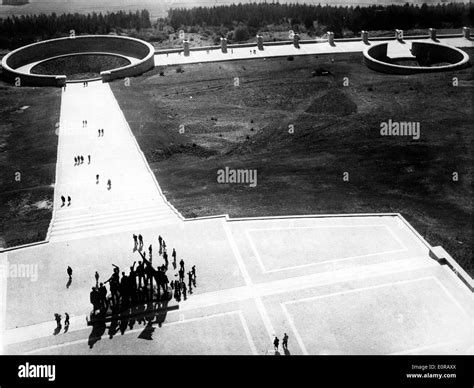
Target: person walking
(135, 242)
(103, 296)
(82, 159)
(184, 290)
(193, 271)
(68, 200)
(284, 343)
(276, 342)
(66, 320)
(63, 200)
(97, 179)
(140, 273)
(140, 241)
(89, 158)
(109, 184)
(96, 278)
(190, 282)
(181, 264)
(57, 318)
(69, 272)
(75, 160)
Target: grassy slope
(28, 144)
(336, 130)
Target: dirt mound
(334, 102)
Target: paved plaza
(336, 284)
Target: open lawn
(336, 131)
(28, 148)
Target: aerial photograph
(223, 178)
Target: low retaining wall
(106, 44)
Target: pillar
(186, 48)
(331, 38)
(365, 36)
(260, 42)
(224, 45)
(296, 40)
(466, 31)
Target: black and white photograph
(272, 183)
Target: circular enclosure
(17, 65)
(426, 57)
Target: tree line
(337, 19)
(16, 31)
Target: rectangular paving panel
(278, 249)
(219, 334)
(413, 315)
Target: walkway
(395, 48)
(134, 199)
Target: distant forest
(256, 16)
(244, 19)
(17, 31)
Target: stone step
(91, 214)
(111, 226)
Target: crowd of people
(144, 281)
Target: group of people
(80, 160)
(85, 84)
(284, 342)
(84, 123)
(63, 199)
(100, 132)
(109, 182)
(143, 282)
(57, 318)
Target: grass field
(28, 148)
(336, 130)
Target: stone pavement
(257, 278)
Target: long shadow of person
(123, 322)
(162, 310)
(114, 323)
(147, 332)
(68, 284)
(57, 330)
(98, 329)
